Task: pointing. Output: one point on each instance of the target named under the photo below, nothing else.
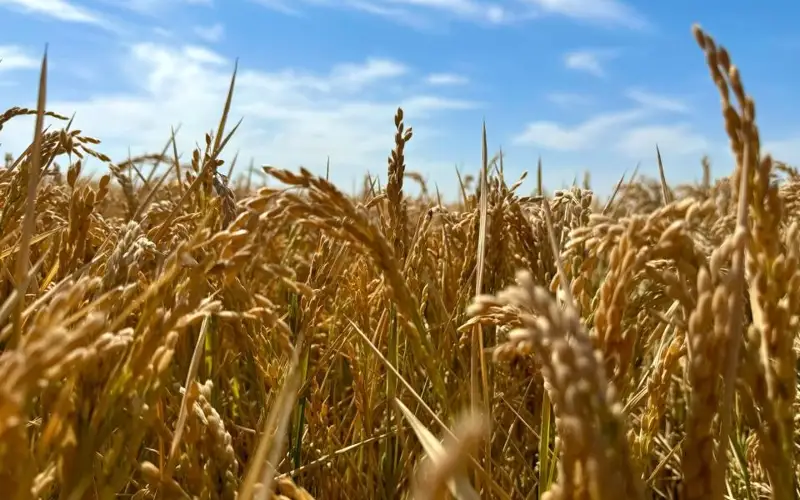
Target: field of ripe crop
(168, 334)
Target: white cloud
(589, 61)
(497, 12)
(356, 76)
(62, 10)
(281, 6)
(611, 142)
(213, 33)
(155, 7)
(406, 11)
(628, 134)
(474, 9)
(13, 57)
(611, 12)
(655, 101)
(442, 79)
(678, 139)
(291, 117)
(581, 137)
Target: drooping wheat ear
(127, 188)
(769, 279)
(228, 199)
(446, 463)
(328, 209)
(666, 365)
(707, 339)
(595, 456)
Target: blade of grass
(496, 489)
(29, 221)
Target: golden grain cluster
(166, 334)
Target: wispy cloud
(281, 6)
(355, 77)
(590, 61)
(610, 12)
(443, 79)
(675, 139)
(493, 12)
(294, 116)
(13, 57)
(211, 34)
(656, 101)
(557, 137)
(62, 10)
(157, 8)
(475, 9)
(409, 11)
(632, 133)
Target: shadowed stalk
(734, 326)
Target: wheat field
(167, 333)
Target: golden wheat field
(168, 334)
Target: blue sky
(585, 84)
